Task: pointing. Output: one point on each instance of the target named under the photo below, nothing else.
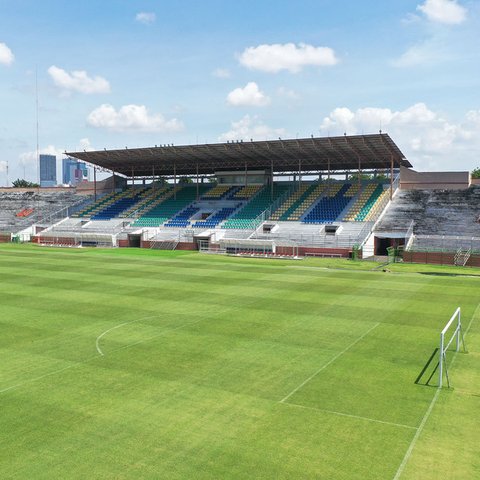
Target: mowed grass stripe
(201, 401)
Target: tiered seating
(353, 190)
(182, 219)
(378, 206)
(99, 205)
(170, 206)
(114, 209)
(292, 200)
(330, 206)
(150, 197)
(305, 203)
(359, 203)
(364, 214)
(245, 216)
(217, 192)
(247, 192)
(25, 212)
(216, 218)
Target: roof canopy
(367, 152)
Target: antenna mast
(36, 119)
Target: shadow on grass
(445, 274)
(428, 371)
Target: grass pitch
(128, 364)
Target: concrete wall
(412, 180)
(438, 258)
(37, 189)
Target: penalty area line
(338, 355)
(342, 414)
(409, 451)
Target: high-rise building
(48, 170)
(74, 171)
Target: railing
(444, 244)
(409, 236)
(68, 211)
(323, 241)
(267, 213)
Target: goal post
(452, 332)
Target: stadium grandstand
(333, 196)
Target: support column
(271, 179)
(197, 182)
(95, 183)
(391, 177)
(299, 173)
(174, 181)
(245, 174)
(359, 174)
(153, 177)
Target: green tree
(21, 183)
(363, 176)
(476, 173)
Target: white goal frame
(445, 343)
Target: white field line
(89, 359)
(429, 411)
(333, 412)
(166, 330)
(13, 387)
(284, 399)
(97, 341)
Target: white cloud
(3, 166)
(429, 140)
(131, 118)
(30, 158)
(276, 57)
(249, 95)
(84, 144)
(78, 81)
(221, 73)
(251, 128)
(6, 55)
(287, 93)
(427, 53)
(444, 11)
(146, 18)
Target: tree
(21, 183)
(363, 176)
(185, 180)
(476, 173)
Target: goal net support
(452, 332)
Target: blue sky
(116, 73)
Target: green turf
(213, 367)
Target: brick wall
(438, 258)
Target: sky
(136, 73)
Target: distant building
(74, 171)
(48, 170)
